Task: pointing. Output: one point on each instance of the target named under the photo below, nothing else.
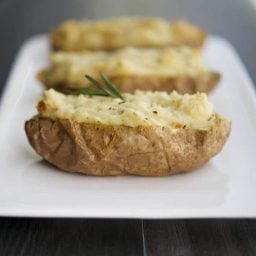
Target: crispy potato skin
(203, 83)
(182, 84)
(96, 149)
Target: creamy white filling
(142, 108)
(169, 62)
(132, 61)
(123, 31)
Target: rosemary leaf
(100, 86)
(97, 83)
(112, 87)
(88, 91)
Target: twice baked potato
(114, 33)
(168, 69)
(150, 134)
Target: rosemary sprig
(112, 87)
(88, 91)
(107, 88)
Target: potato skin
(182, 84)
(97, 149)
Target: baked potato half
(150, 134)
(114, 33)
(180, 69)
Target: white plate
(225, 187)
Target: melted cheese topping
(168, 62)
(125, 31)
(139, 109)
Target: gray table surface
(233, 19)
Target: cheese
(139, 109)
(70, 68)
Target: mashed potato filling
(123, 31)
(139, 109)
(168, 62)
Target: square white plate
(225, 187)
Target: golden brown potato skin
(182, 84)
(97, 149)
(202, 83)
